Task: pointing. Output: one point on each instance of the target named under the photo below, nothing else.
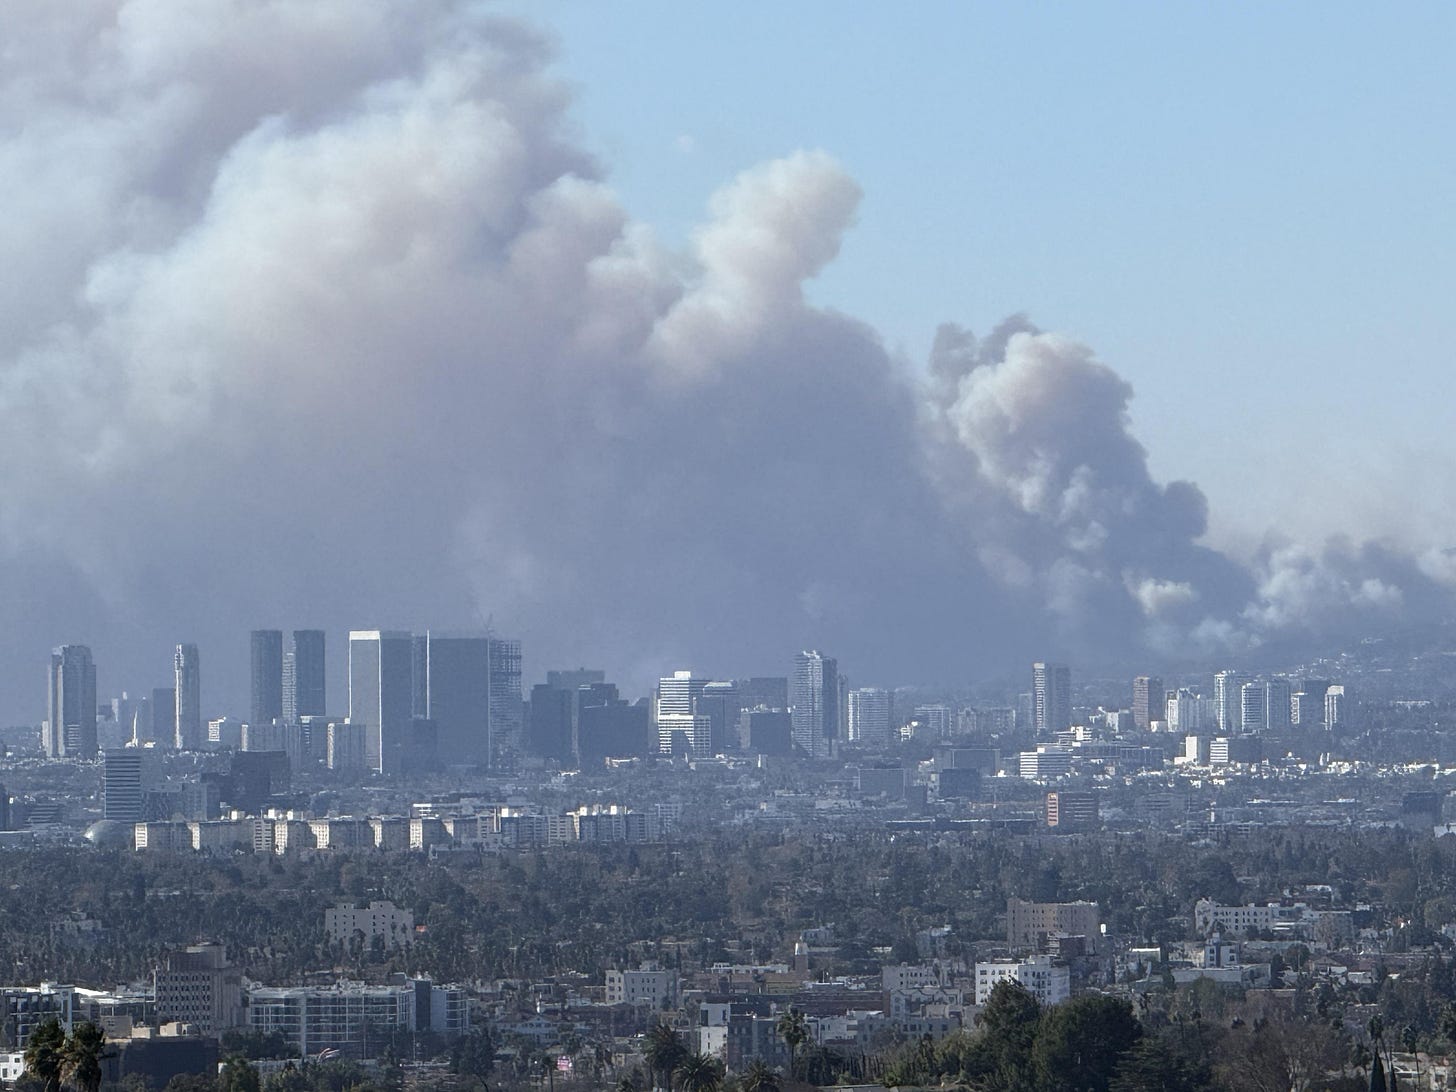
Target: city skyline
(929, 494)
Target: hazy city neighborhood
(1231, 792)
(562, 546)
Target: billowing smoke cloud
(316, 315)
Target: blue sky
(1246, 210)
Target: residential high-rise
(1228, 701)
(506, 706)
(814, 703)
(1339, 708)
(1051, 697)
(381, 683)
(189, 732)
(71, 702)
(1253, 704)
(267, 663)
(868, 719)
(456, 694)
(198, 986)
(303, 675)
(1149, 702)
(933, 719)
(122, 789)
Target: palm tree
(45, 1054)
(700, 1073)
(759, 1077)
(793, 1029)
(81, 1057)
(664, 1052)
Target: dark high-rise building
(1051, 696)
(267, 661)
(256, 777)
(303, 675)
(456, 694)
(71, 702)
(1149, 703)
(1278, 703)
(767, 731)
(814, 703)
(614, 730)
(122, 787)
(548, 731)
(381, 695)
(4, 808)
(574, 679)
(720, 703)
(420, 674)
(764, 692)
(163, 716)
(189, 733)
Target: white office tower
(814, 703)
(1051, 698)
(381, 694)
(869, 716)
(1339, 707)
(189, 733)
(679, 725)
(1228, 701)
(1253, 697)
(1278, 705)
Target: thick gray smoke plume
(315, 315)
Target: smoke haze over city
(323, 315)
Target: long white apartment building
(647, 987)
(1049, 981)
(348, 1016)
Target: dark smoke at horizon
(318, 317)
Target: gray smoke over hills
(316, 315)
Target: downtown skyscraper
(381, 691)
(71, 704)
(507, 711)
(1149, 702)
(455, 693)
(304, 693)
(188, 731)
(1051, 698)
(814, 703)
(267, 677)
